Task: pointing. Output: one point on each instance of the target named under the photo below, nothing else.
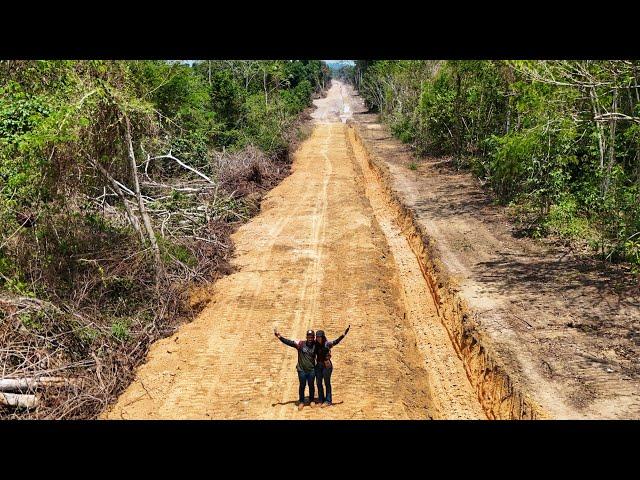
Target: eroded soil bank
(542, 333)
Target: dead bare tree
(117, 188)
(143, 212)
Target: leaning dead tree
(151, 235)
(147, 197)
(141, 210)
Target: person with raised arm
(324, 367)
(306, 363)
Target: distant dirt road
(323, 253)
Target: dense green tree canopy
(558, 140)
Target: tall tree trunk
(596, 113)
(508, 114)
(612, 142)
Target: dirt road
(323, 253)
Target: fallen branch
(14, 233)
(184, 165)
(13, 384)
(29, 302)
(18, 400)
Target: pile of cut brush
(68, 350)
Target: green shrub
(120, 330)
(32, 320)
(564, 219)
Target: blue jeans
(323, 374)
(306, 378)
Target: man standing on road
(306, 363)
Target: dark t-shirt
(306, 354)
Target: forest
(558, 142)
(120, 183)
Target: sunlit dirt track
(323, 253)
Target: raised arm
(286, 341)
(339, 339)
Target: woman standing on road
(324, 367)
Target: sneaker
(325, 404)
(300, 406)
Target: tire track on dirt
(317, 256)
(304, 318)
(452, 394)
